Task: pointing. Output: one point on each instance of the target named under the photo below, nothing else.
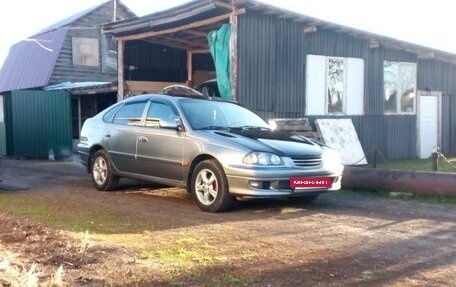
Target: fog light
(256, 184)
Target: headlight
(331, 158)
(262, 158)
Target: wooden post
(189, 69)
(234, 56)
(120, 69)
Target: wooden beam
(175, 45)
(189, 69)
(180, 28)
(196, 33)
(201, 51)
(120, 69)
(234, 57)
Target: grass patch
(178, 253)
(419, 164)
(70, 216)
(402, 196)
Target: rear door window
(130, 113)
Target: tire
(304, 199)
(101, 170)
(209, 187)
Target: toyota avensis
(217, 149)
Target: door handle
(143, 139)
(107, 135)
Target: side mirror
(173, 124)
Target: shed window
(85, 52)
(334, 85)
(399, 87)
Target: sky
(427, 23)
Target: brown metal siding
(39, 121)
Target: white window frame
(81, 58)
(399, 89)
(317, 80)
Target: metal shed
(36, 122)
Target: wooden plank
(234, 56)
(189, 69)
(297, 124)
(181, 28)
(120, 70)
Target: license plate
(310, 182)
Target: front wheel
(103, 177)
(209, 187)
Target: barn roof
(30, 62)
(167, 27)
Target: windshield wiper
(213, 128)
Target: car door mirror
(174, 124)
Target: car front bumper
(275, 182)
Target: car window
(216, 114)
(130, 113)
(107, 117)
(159, 111)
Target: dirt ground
(342, 239)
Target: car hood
(279, 142)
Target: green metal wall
(37, 121)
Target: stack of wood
(299, 126)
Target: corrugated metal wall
(436, 75)
(394, 136)
(272, 79)
(38, 121)
(449, 124)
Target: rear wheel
(103, 177)
(209, 187)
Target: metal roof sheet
(30, 62)
(77, 85)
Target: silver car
(217, 149)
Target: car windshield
(220, 115)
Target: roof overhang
(186, 27)
(84, 88)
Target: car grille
(307, 161)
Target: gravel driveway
(342, 239)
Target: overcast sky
(428, 23)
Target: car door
(121, 136)
(160, 150)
